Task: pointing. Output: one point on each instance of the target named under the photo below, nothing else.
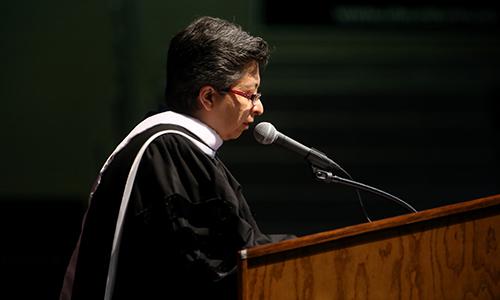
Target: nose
(258, 108)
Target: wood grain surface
(452, 255)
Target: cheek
(244, 111)
(231, 118)
(235, 114)
(238, 114)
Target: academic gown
(185, 222)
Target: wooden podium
(451, 252)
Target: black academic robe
(185, 222)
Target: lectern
(450, 252)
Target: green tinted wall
(75, 76)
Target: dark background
(403, 96)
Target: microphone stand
(328, 177)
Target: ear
(206, 97)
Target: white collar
(200, 129)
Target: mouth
(248, 122)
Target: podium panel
(451, 252)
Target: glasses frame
(252, 97)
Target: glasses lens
(255, 98)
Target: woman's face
(235, 112)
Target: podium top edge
(392, 222)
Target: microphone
(266, 134)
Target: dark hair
(210, 51)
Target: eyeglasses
(252, 97)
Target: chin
(232, 136)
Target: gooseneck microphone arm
(328, 177)
(266, 134)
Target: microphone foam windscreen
(265, 133)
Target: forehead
(251, 76)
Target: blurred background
(403, 95)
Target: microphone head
(265, 133)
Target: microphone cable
(360, 199)
(329, 177)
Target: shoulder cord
(110, 281)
